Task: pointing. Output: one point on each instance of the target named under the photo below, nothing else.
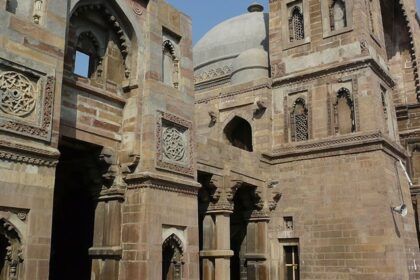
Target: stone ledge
(356, 64)
(112, 252)
(162, 182)
(335, 145)
(98, 92)
(216, 253)
(37, 155)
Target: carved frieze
(174, 144)
(26, 103)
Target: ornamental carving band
(173, 144)
(17, 94)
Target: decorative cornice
(336, 145)
(232, 93)
(27, 154)
(163, 183)
(309, 75)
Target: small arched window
(239, 133)
(344, 112)
(299, 121)
(172, 258)
(87, 60)
(169, 64)
(338, 15)
(296, 25)
(11, 6)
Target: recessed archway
(239, 133)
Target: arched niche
(115, 37)
(172, 258)
(11, 255)
(239, 133)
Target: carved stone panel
(174, 149)
(26, 102)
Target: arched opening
(4, 243)
(344, 112)
(338, 15)
(169, 64)
(296, 25)
(172, 258)
(239, 219)
(299, 121)
(87, 55)
(100, 45)
(10, 251)
(239, 133)
(11, 6)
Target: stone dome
(250, 65)
(215, 53)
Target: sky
(206, 14)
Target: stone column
(256, 247)
(216, 257)
(106, 250)
(257, 232)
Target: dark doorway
(243, 206)
(77, 185)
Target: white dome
(250, 65)
(223, 43)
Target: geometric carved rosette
(26, 103)
(174, 151)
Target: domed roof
(224, 42)
(250, 65)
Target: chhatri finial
(255, 7)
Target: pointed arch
(344, 112)
(296, 25)
(172, 258)
(239, 133)
(338, 15)
(299, 120)
(170, 64)
(10, 250)
(112, 24)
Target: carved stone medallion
(173, 144)
(17, 94)
(174, 149)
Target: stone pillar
(256, 247)
(106, 250)
(216, 251)
(257, 232)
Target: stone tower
(97, 148)
(319, 131)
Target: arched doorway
(172, 261)
(10, 251)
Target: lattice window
(344, 112)
(338, 15)
(296, 25)
(299, 121)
